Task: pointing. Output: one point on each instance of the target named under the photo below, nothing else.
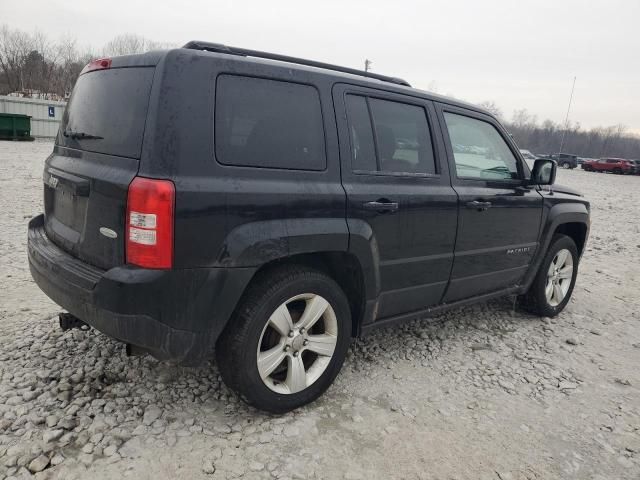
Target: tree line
(550, 137)
(36, 66)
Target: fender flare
(558, 215)
(256, 243)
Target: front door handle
(478, 205)
(381, 206)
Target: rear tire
(274, 352)
(617, 171)
(553, 285)
(565, 165)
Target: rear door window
(363, 151)
(402, 133)
(108, 107)
(402, 140)
(268, 123)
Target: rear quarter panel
(229, 216)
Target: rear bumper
(174, 314)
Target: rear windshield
(108, 108)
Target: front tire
(553, 285)
(565, 165)
(287, 341)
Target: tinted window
(363, 152)
(402, 133)
(402, 138)
(111, 104)
(267, 123)
(479, 149)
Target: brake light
(149, 223)
(97, 64)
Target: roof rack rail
(220, 48)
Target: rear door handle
(478, 205)
(382, 206)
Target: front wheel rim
(297, 343)
(559, 277)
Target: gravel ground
(483, 392)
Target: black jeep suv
(268, 209)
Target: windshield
(107, 112)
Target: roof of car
(359, 77)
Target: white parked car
(529, 157)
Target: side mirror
(544, 172)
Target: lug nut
(295, 354)
(287, 348)
(291, 334)
(305, 343)
(302, 330)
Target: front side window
(268, 123)
(390, 137)
(479, 150)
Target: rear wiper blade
(80, 135)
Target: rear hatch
(95, 158)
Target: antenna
(367, 64)
(566, 119)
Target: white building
(46, 115)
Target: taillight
(149, 223)
(97, 64)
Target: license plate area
(67, 208)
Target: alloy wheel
(297, 343)
(559, 277)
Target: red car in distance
(611, 165)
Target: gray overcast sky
(521, 54)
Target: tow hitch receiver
(68, 321)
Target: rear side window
(389, 137)
(268, 123)
(110, 104)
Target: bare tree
(32, 63)
(45, 60)
(70, 64)
(14, 48)
(492, 107)
(129, 44)
(523, 119)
